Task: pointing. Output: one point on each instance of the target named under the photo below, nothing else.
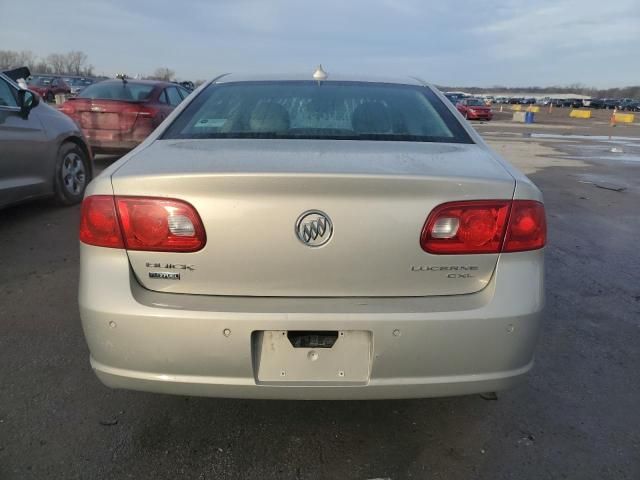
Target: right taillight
(139, 118)
(99, 222)
(141, 223)
(146, 121)
(527, 228)
(484, 226)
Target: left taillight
(141, 223)
(68, 108)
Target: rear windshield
(118, 91)
(311, 110)
(475, 102)
(79, 82)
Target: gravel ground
(576, 417)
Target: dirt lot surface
(577, 417)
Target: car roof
(241, 77)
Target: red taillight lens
(68, 108)
(484, 226)
(466, 227)
(99, 222)
(146, 121)
(141, 223)
(147, 111)
(136, 116)
(161, 225)
(527, 227)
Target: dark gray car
(42, 151)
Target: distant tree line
(577, 88)
(162, 73)
(70, 63)
(76, 63)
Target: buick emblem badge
(314, 228)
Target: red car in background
(117, 115)
(48, 87)
(474, 109)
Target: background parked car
(454, 97)
(116, 115)
(77, 84)
(48, 86)
(42, 152)
(611, 103)
(189, 85)
(628, 104)
(573, 103)
(474, 109)
(633, 106)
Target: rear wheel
(72, 174)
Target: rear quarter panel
(525, 188)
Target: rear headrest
(269, 117)
(371, 117)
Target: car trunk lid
(112, 115)
(250, 193)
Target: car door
(55, 86)
(64, 87)
(60, 87)
(23, 146)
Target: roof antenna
(319, 74)
(123, 77)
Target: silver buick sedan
(312, 238)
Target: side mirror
(27, 101)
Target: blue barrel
(528, 117)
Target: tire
(72, 174)
(49, 98)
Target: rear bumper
(113, 141)
(112, 146)
(480, 116)
(246, 387)
(422, 347)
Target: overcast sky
(463, 42)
